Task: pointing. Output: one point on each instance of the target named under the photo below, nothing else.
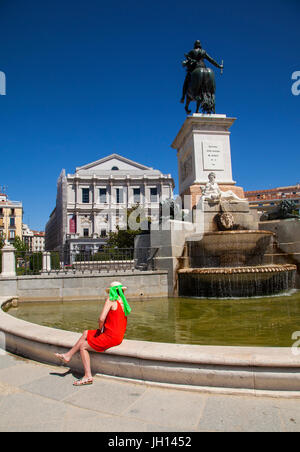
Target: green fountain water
(240, 322)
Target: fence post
(8, 261)
(46, 262)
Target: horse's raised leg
(187, 106)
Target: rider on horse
(199, 84)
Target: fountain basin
(229, 248)
(212, 368)
(255, 281)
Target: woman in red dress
(112, 327)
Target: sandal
(83, 382)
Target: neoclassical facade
(91, 202)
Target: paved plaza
(40, 398)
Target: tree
(124, 238)
(20, 245)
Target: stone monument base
(243, 217)
(287, 250)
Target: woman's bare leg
(86, 361)
(69, 355)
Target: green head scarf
(113, 296)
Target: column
(46, 262)
(8, 261)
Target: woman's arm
(105, 311)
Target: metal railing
(119, 259)
(28, 263)
(104, 261)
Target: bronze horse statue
(199, 84)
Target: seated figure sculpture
(212, 192)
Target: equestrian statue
(199, 84)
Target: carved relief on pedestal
(186, 167)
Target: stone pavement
(40, 398)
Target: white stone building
(91, 202)
(35, 240)
(38, 241)
(27, 236)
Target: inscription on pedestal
(213, 156)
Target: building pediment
(113, 162)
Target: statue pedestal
(203, 146)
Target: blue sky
(89, 78)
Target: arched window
(115, 168)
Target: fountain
(231, 262)
(228, 264)
(229, 256)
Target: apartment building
(34, 240)
(11, 217)
(266, 200)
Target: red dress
(114, 331)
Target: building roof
(274, 194)
(13, 204)
(274, 190)
(117, 165)
(39, 233)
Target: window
(153, 194)
(102, 195)
(85, 233)
(136, 195)
(119, 195)
(12, 222)
(103, 233)
(12, 212)
(115, 168)
(85, 195)
(1, 210)
(11, 235)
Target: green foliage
(20, 245)
(124, 238)
(36, 263)
(2, 241)
(22, 260)
(55, 261)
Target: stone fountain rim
(213, 368)
(274, 268)
(243, 232)
(40, 342)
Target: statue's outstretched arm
(212, 61)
